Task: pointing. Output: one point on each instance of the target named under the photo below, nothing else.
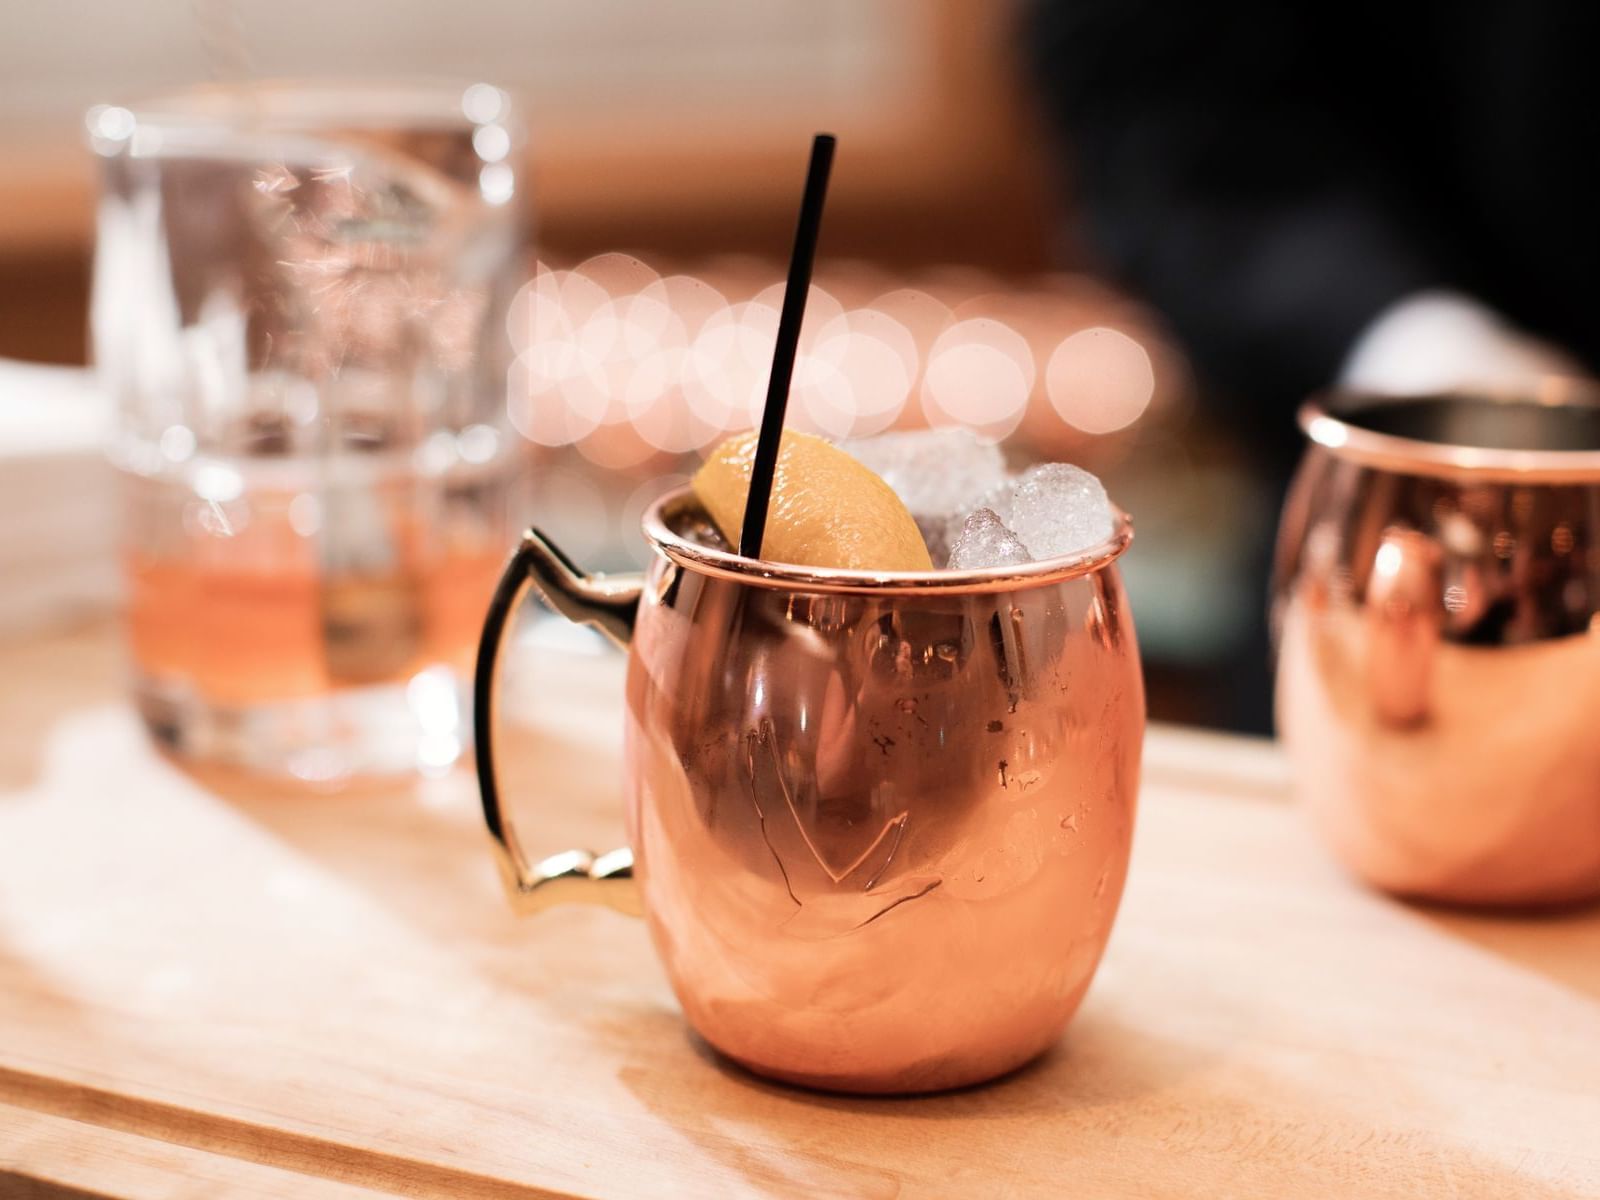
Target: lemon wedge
(827, 509)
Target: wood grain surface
(213, 988)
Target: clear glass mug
(299, 313)
(878, 824)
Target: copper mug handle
(609, 604)
(1404, 617)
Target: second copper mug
(1438, 618)
(878, 824)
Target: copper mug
(878, 823)
(1437, 608)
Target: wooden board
(247, 993)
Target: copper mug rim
(788, 576)
(1325, 419)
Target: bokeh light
(483, 102)
(491, 142)
(859, 374)
(728, 365)
(616, 274)
(924, 315)
(629, 364)
(980, 374)
(497, 183)
(821, 310)
(1100, 380)
(539, 405)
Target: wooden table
(207, 989)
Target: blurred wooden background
(672, 131)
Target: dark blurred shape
(1273, 177)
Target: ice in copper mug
(1437, 607)
(878, 822)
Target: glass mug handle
(610, 604)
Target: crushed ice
(973, 513)
(985, 541)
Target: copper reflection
(880, 826)
(1439, 661)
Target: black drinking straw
(794, 310)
